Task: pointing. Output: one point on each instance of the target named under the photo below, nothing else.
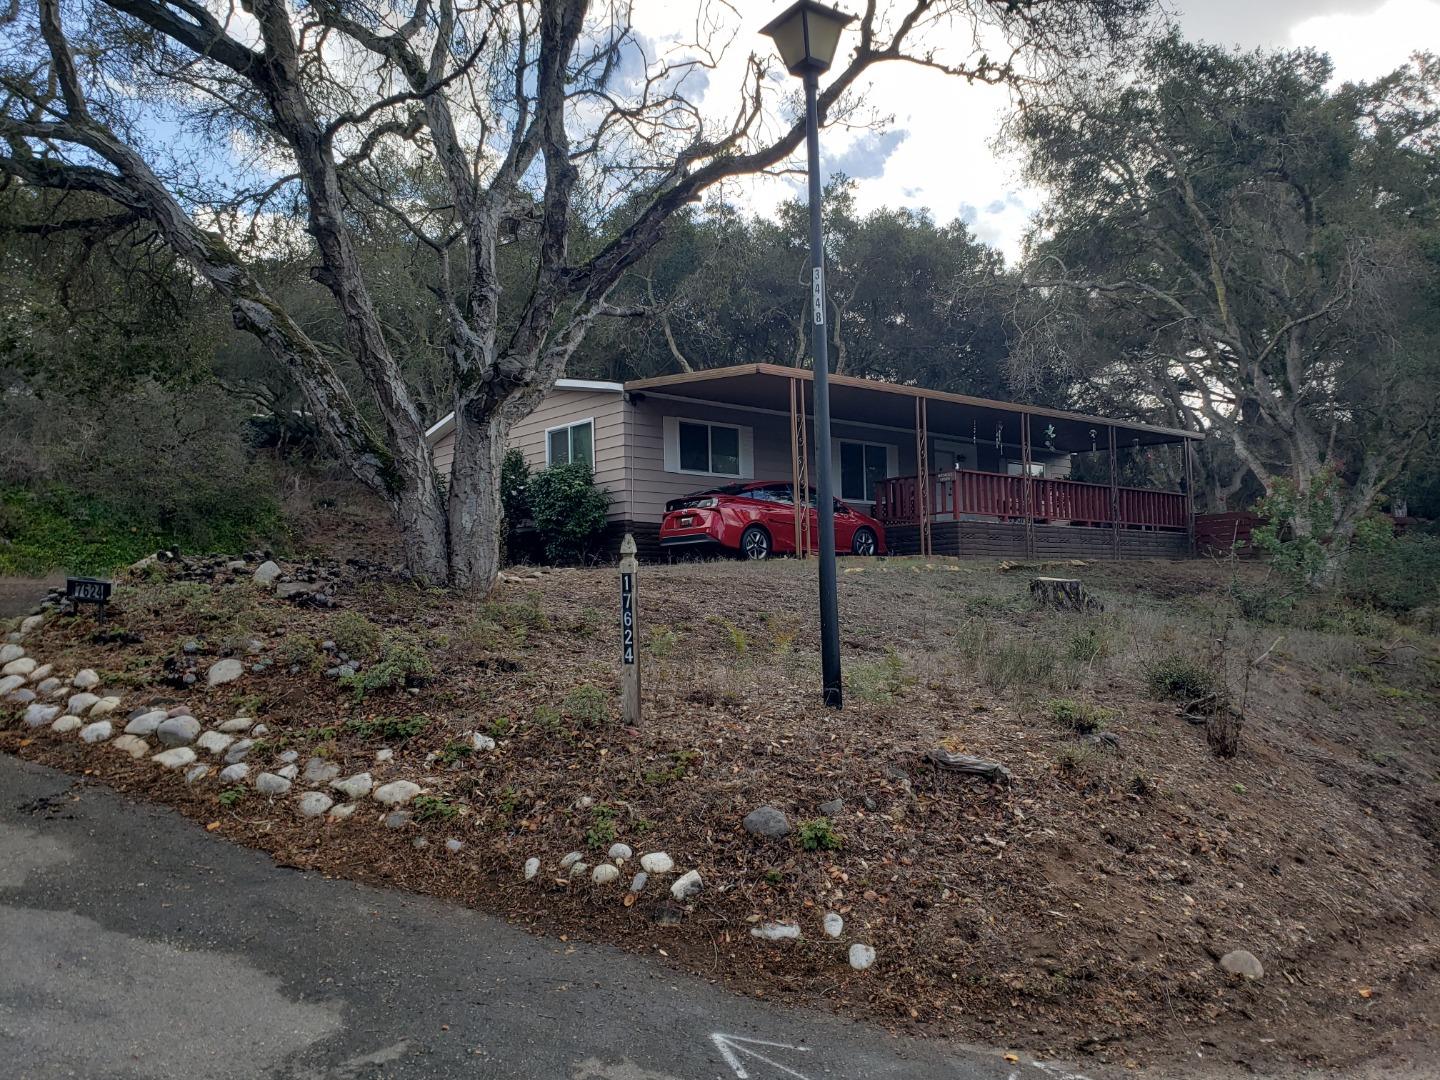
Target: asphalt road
(135, 945)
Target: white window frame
(570, 440)
(745, 436)
(892, 465)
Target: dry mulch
(1080, 910)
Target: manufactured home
(946, 474)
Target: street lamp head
(807, 35)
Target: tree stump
(1064, 594)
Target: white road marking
(732, 1046)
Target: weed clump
(1080, 717)
(355, 635)
(1178, 678)
(818, 834)
(587, 705)
(402, 663)
(434, 808)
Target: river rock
(85, 679)
(768, 822)
(10, 653)
(104, 707)
(33, 622)
(234, 774)
(52, 686)
(1243, 963)
(79, 704)
(532, 867)
(196, 773)
(37, 715)
(145, 723)
(454, 846)
(570, 859)
(214, 742)
(861, 956)
(65, 724)
(175, 758)
(41, 673)
(314, 803)
(267, 573)
(97, 732)
(481, 743)
(23, 696)
(11, 683)
(618, 853)
(178, 731)
(686, 885)
(239, 751)
(657, 862)
(605, 874)
(237, 726)
(22, 667)
(638, 882)
(341, 812)
(133, 745)
(354, 787)
(834, 924)
(776, 931)
(267, 783)
(224, 671)
(396, 793)
(320, 771)
(289, 772)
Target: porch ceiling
(765, 386)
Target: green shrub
(355, 635)
(403, 661)
(818, 834)
(1393, 573)
(588, 706)
(454, 751)
(1178, 678)
(568, 510)
(231, 796)
(514, 496)
(662, 642)
(1080, 717)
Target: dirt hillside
(1080, 908)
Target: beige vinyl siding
(561, 407)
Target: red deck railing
(1065, 502)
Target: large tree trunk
(476, 520)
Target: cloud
(866, 156)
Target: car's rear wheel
(755, 543)
(865, 542)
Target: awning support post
(1189, 495)
(1028, 488)
(1114, 492)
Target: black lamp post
(807, 35)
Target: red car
(757, 520)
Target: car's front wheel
(755, 543)
(865, 542)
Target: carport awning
(766, 386)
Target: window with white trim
(712, 449)
(862, 468)
(570, 443)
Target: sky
(936, 153)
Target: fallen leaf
(212, 826)
(1366, 992)
(1012, 1058)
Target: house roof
(873, 401)
(765, 386)
(446, 423)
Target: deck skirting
(996, 539)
